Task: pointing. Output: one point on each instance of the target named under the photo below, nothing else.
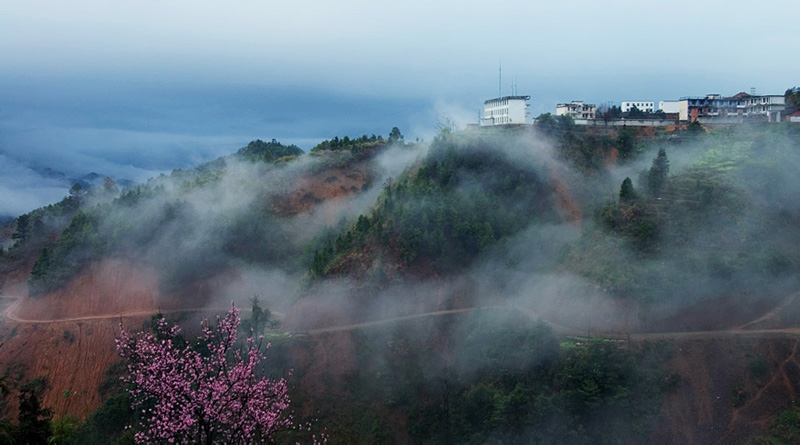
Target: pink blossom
(214, 397)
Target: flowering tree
(204, 394)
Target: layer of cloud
(23, 189)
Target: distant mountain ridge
(86, 181)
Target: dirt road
(740, 331)
(10, 313)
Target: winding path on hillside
(10, 313)
(772, 313)
(366, 324)
(633, 336)
(741, 331)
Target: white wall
(641, 105)
(517, 111)
(669, 106)
(505, 110)
(683, 110)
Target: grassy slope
(715, 226)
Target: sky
(133, 89)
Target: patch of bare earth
(74, 355)
(700, 409)
(107, 288)
(731, 388)
(328, 184)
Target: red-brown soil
(720, 400)
(68, 336)
(328, 184)
(567, 207)
(110, 287)
(74, 355)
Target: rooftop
(509, 98)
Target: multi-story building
(736, 108)
(505, 110)
(647, 107)
(577, 109)
(770, 106)
(669, 106)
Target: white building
(670, 106)
(577, 109)
(770, 106)
(647, 107)
(505, 110)
(715, 108)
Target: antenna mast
(499, 79)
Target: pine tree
(627, 194)
(657, 176)
(34, 421)
(395, 136)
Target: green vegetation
(507, 381)
(147, 222)
(716, 223)
(142, 221)
(107, 423)
(260, 151)
(465, 196)
(31, 228)
(784, 428)
(489, 376)
(792, 97)
(33, 424)
(589, 152)
(717, 219)
(341, 153)
(395, 137)
(713, 215)
(707, 222)
(627, 194)
(657, 175)
(78, 245)
(260, 319)
(357, 144)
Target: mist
(736, 253)
(137, 130)
(456, 281)
(23, 189)
(428, 258)
(568, 260)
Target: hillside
(56, 349)
(465, 196)
(394, 266)
(77, 318)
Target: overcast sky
(130, 89)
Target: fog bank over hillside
(721, 228)
(83, 89)
(461, 267)
(144, 129)
(474, 218)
